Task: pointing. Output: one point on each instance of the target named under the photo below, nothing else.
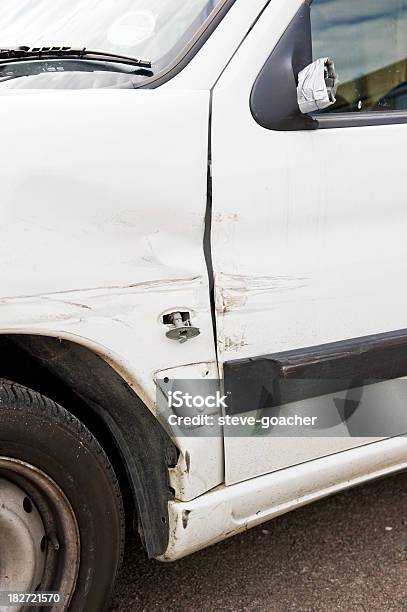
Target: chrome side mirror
(317, 85)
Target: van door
(309, 231)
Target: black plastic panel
(271, 380)
(274, 96)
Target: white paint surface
(101, 233)
(308, 239)
(102, 200)
(227, 511)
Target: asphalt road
(347, 553)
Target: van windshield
(156, 30)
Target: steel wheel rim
(37, 516)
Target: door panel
(308, 238)
(101, 234)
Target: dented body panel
(308, 237)
(121, 206)
(101, 234)
(227, 511)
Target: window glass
(155, 30)
(367, 39)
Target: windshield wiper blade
(18, 54)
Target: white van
(202, 262)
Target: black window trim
(360, 119)
(314, 121)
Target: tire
(48, 439)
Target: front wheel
(61, 511)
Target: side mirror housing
(317, 85)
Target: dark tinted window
(367, 39)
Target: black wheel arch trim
(48, 364)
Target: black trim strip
(355, 119)
(271, 380)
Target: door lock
(181, 326)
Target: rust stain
(154, 285)
(226, 217)
(233, 343)
(235, 290)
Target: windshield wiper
(21, 54)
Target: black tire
(39, 432)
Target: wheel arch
(139, 449)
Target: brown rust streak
(235, 290)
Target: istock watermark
(299, 408)
(179, 399)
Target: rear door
(309, 232)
